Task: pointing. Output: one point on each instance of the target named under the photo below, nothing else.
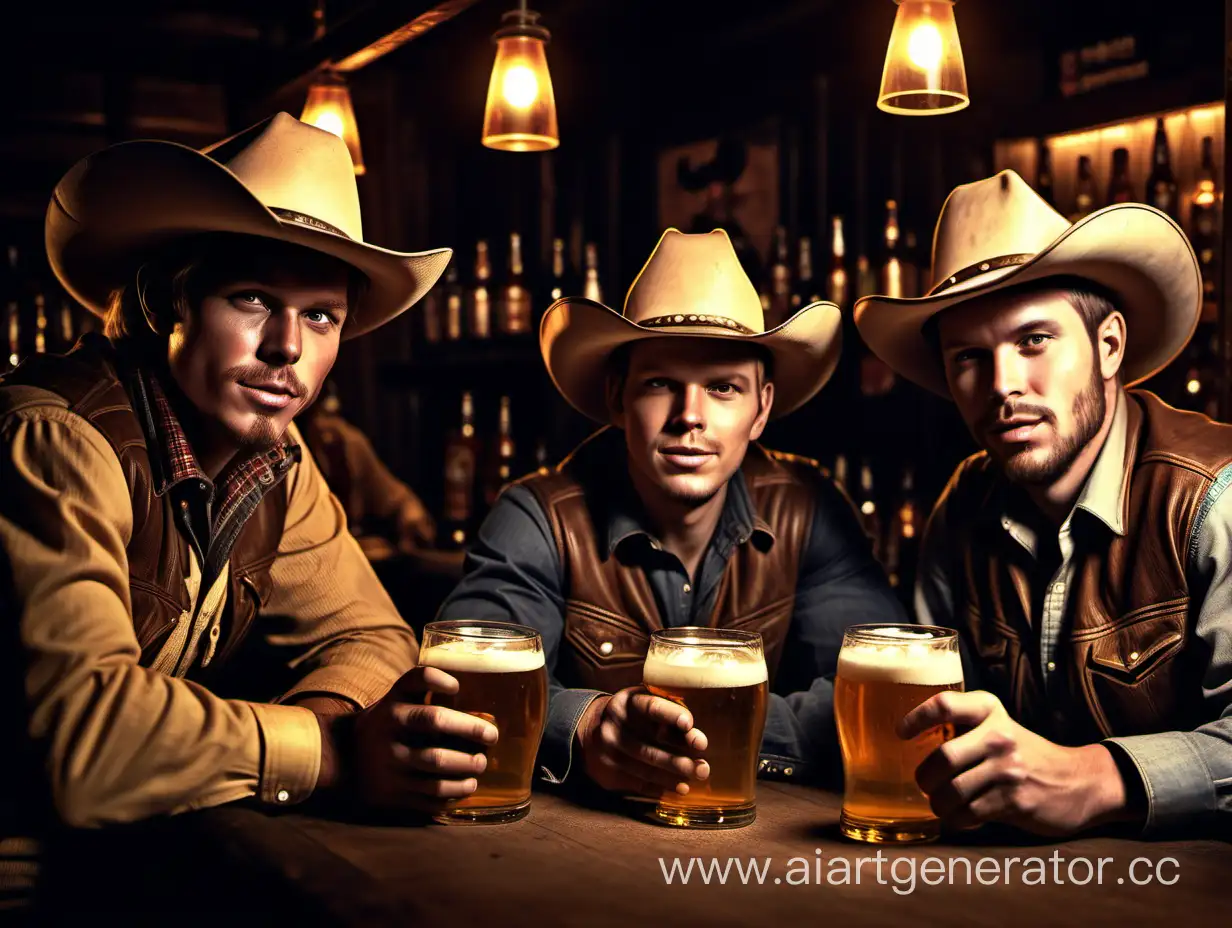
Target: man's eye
(723, 389)
(1035, 341)
(321, 317)
(249, 299)
(656, 383)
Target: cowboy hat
(280, 179)
(998, 233)
(692, 285)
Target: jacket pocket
(1133, 652)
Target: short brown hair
(175, 279)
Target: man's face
(257, 344)
(1027, 380)
(689, 408)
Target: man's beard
(263, 435)
(1090, 407)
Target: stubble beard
(1090, 407)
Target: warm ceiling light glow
(924, 73)
(329, 107)
(521, 110)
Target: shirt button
(283, 795)
(605, 648)
(787, 771)
(687, 588)
(213, 631)
(1052, 665)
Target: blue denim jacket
(513, 573)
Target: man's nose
(1008, 373)
(692, 412)
(281, 342)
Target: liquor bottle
(892, 268)
(866, 280)
(840, 471)
(461, 456)
(836, 290)
(867, 503)
(479, 321)
(590, 285)
(805, 291)
(779, 283)
(66, 324)
(1204, 231)
(560, 275)
(12, 299)
(515, 309)
(431, 321)
(453, 304)
(1084, 199)
(502, 459)
(40, 324)
(1120, 190)
(904, 533)
(1043, 175)
(1161, 184)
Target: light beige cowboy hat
(692, 285)
(281, 179)
(998, 233)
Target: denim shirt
(513, 573)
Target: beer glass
(719, 675)
(885, 671)
(502, 678)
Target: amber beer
(885, 671)
(502, 678)
(719, 675)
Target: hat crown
(290, 165)
(694, 274)
(991, 218)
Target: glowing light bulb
(1194, 385)
(925, 46)
(520, 87)
(330, 120)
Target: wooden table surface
(574, 864)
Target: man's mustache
(282, 377)
(1004, 412)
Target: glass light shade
(521, 111)
(329, 107)
(924, 74)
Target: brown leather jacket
(610, 609)
(92, 379)
(1131, 665)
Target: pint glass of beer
(885, 671)
(502, 678)
(719, 675)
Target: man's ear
(1110, 344)
(613, 388)
(766, 396)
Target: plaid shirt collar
(173, 461)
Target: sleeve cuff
(291, 753)
(1175, 778)
(556, 751)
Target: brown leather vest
(1130, 661)
(610, 608)
(90, 379)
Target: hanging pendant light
(329, 107)
(521, 110)
(924, 74)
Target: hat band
(304, 219)
(975, 270)
(718, 322)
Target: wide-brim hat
(281, 179)
(999, 233)
(691, 286)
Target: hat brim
(1133, 250)
(577, 336)
(114, 206)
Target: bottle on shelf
(1084, 197)
(904, 532)
(431, 316)
(561, 286)
(891, 283)
(40, 324)
(779, 283)
(1043, 175)
(479, 321)
(453, 304)
(805, 291)
(515, 306)
(461, 457)
(1120, 190)
(502, 460)
(867, 505)
(591, 289)
(12, 300)
(840, 472)
(67, 334)
(836, 290)
(1161, 184)
(866, 280)
(1204, 231)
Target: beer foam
(481, 657)
(704, 669)
(915, 664)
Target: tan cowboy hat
(280, 179)
(692, 285)
(998, 233)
